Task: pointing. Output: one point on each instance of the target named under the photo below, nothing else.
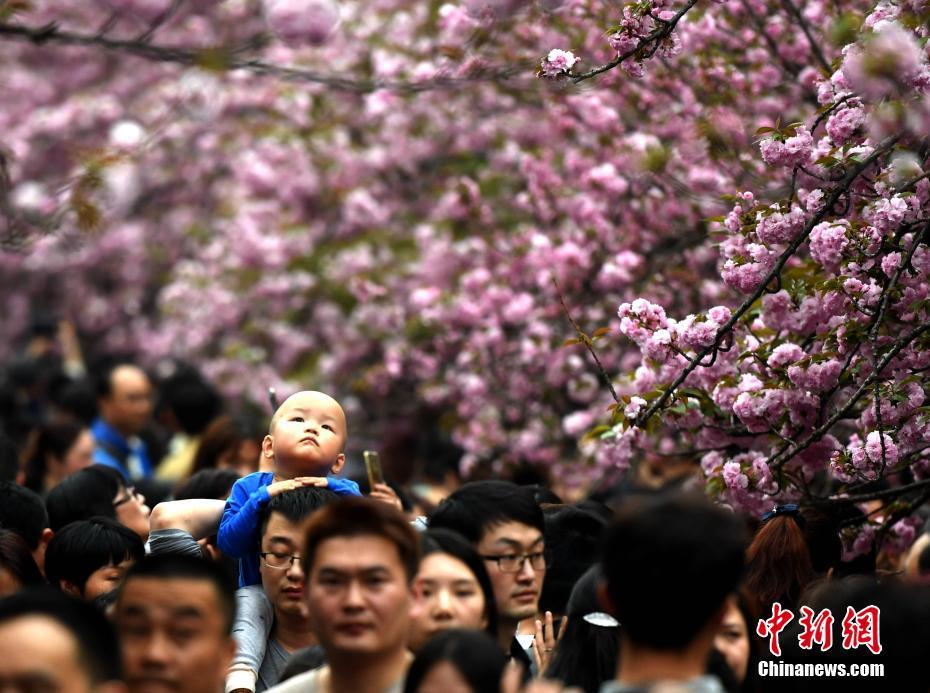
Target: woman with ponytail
(792, 547)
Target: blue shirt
(238, 536)
(113, 450)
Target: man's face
(516, 594)
(173, 634)
(40, 655)
(284, 586)
(358, 596)
(308, 435)
(129, 404)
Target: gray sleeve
(254, 616)
(177, 541)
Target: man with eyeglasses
(505, 524)
(283, 583)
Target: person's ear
(338, 464)
(268, 447)
(603, 598)
(71, 589)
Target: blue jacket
(238, 536)
(113, 450)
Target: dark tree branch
(229, 58)
(655, 38)
(727, 327)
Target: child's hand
(279, 487)
(385, 494)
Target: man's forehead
(170, 595)
(279, 526)
(511, 532)
(357, 554)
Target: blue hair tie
(791, 509)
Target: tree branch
(727, 327)
(656, 36)
(230, 60)
(586, 340)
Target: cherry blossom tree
(587, 234)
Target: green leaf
(764, 129)
(572, 342)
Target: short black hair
(354, 516)
(23, 511)
(87, 493)
(103, 381)
(84, 546)
(476, 507)
(573, 543)
(95, 640)
(669, 563)
(296, 505)
(173, 566)
(207, 483)
(474, 654)
(193, 401)
(454, 544)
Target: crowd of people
(263, 566)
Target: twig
(586, 340)
(657, 36)
(727, 327)
(231, 61)
(815, 47)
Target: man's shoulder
(699, 684)
(308, 682)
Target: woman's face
(80, 454)
(733, 640)
(132, 512)
(448, 596)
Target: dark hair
(223, 433)
(22, 511)
(87, 493)
(573, 539)
(474, 654)
(296, 505)
(787, 552)
(16, 559)
(448, 542)
(587, 654)
(9, 457)
(207, 483)
(173, 566)
(476, 507)
(52, 439)
(669, 563)
(193, 401)
(354, 516)
(94, 638)
(904, 611)
(82, 547)
(103, 382)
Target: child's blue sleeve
(238, 535)
(343, 487)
